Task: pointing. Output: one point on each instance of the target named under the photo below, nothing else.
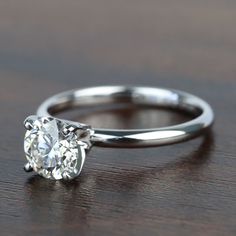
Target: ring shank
(167, 98)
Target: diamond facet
(53, 148)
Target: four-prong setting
(55, 148)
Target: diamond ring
(56, 148)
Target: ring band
(140, 96)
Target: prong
(28, 123)
(85, 138)
(28, 167)
(69, 129)
(46, 119)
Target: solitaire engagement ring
(56, 148)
